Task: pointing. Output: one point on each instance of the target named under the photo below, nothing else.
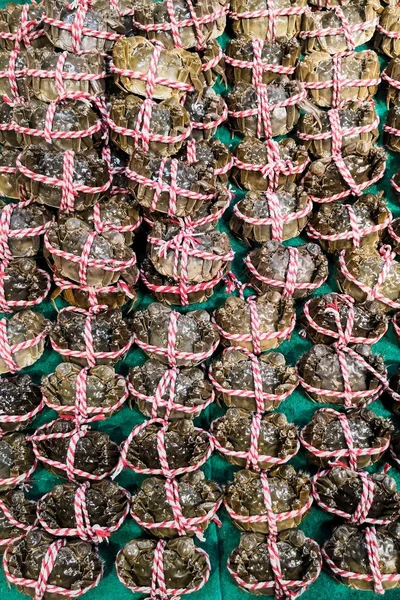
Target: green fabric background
(298, 408)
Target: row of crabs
(159, 389)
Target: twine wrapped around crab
(13, 81)
(24, 223)
(17, 460)
(20, 25)
(255, 441)
(258, 165)
(154, 510)
(391, 129)
(20, 402)
(391, 75)
(339, 27)
(342, 226)
(9, 187)
(25, 335)
(236, 374)
(279, 215)
(206, 113)
(263, 20)
(387, 37)
(17, 517)
(334, 79)
(176, 71)
(23, 284)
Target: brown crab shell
(213, 152)
(106, 505)
(369, 323)
(16, 458)
(21, 327)
(324, 432)
(186, 446)
(280, 52)
(257, 27)
(168, 118)
(211, 72)
(290, 491)
(10, 23)
(365, 163)
(147, 12)
(320, 368)
(71, 116)
(9, 187)
(391, 139)
(291, 198)
(196, 333)
(70, 235)
(365, 264)
(275, 313)
(195, 177)
(207, 109)
(199, 269)
(333, 219)
(8, 137)
(389, 21)
(77, 568)
(45, 88)
(351, 114)
(100, 17)
(341, 489)
(393, 91)
(22, 511)
(25, 217)
(18, 397)
(24, 282)
(347, 548)
(271, 260)
(244, 96)
(393, 235)
(20, 66)
(299, 557)
(185, 566)
(192, 390)
(356, 13)
(96, 454)
(317, 67)
(110, 333)
(175, 64)
(278, 438)
(103, 389)
(254, 152)
(89, 170)
(234, 371)
(198, 497)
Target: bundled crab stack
(176, 501)
(267, 498)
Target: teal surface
(298, 408)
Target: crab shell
(290, 491)
(147, 12)
(275, 314)
(210, 71)
(365, 163)
(9, 187)
(253, 151)
(198, 177)
(356, 12)
(21, 327)
(198, 497)
(291, 199)
(394, 238)
(198, 269)
(8, 137)
(71, 234)
(365, 264)
(19, 397)
(280, 52)
(317, 67)
(389, 21)
(392, 140)
(89, 169)
(100, 16)
(17, 458)
(168, 118)
(334, 218)
(24, 282)
(245, 96)
(285, 26)
(71, 116)
(208, 109)
(25, 217)
(21, 80)
(210, 151)
(23, 513)
(235, 365)
(46, 59)
(392, 71)
(10, 23)
(103, 388)
(176, 65)
(352, 114)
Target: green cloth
(298, 408)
